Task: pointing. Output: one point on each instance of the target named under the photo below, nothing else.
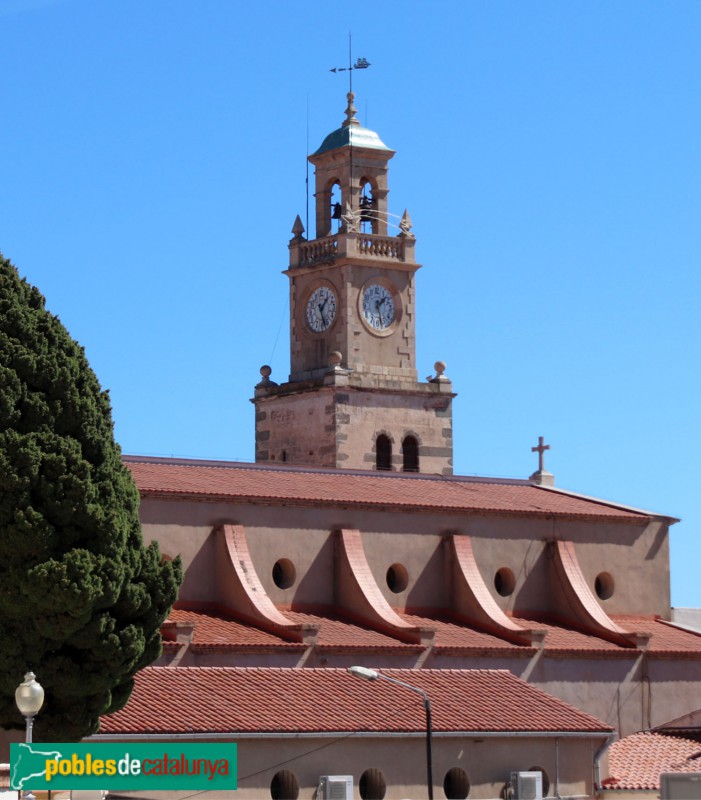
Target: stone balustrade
(366, 245)
(317, 251)
(370, 244)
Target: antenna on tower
(306, 161)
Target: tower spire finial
(350, 111)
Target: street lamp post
(373, 675)
(29, 697)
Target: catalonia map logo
(122, 767)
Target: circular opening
(504, 581)
(372, 785)
(284, 786)
(456, 786)
(397, 578)
(546, 779)
(604, 585)
(284, 573)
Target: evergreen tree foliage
(81, 598)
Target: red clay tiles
(290, 485)
(454, 636)
(233, 700)
(213, 630)
(637, 761)
(562, 640)
(666, 639)
(219, 630)
(338, 634)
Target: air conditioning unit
(679, 785)
(527, 785)
(335, 787)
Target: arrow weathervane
(360, 63)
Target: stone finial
(265, 372)
(297, 230)
(439, 377)
(350, 112)
(542, 477)
(336, 375)
(405, 225)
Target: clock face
(321, 309)
(378, 307)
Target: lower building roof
(263, 701)
(637, 761)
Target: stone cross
(540, 450)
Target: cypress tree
(81, 598)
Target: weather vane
(360, 63)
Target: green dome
(351, 136)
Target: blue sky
(152, 162)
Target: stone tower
(353, 399)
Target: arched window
(410, 452)
(336, 207)
(284, 786)
(383, 452)
(372, 785)
(368, 211)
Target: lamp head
(364, 672)
(29, 695)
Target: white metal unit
(527, 785)
(335, 787)
(680, 785)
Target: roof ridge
(175, 461)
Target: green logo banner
(123, 767)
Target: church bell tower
(353, 399)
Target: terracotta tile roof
(453, 635)
(637, 761)
(171, 700)
(294, 485)
(666, 639)
(339, 634)
(560, 639)
(218, 630)
(690, 722)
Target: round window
(397, 578)
(284, 573)
(504, 581)
(604, 585)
